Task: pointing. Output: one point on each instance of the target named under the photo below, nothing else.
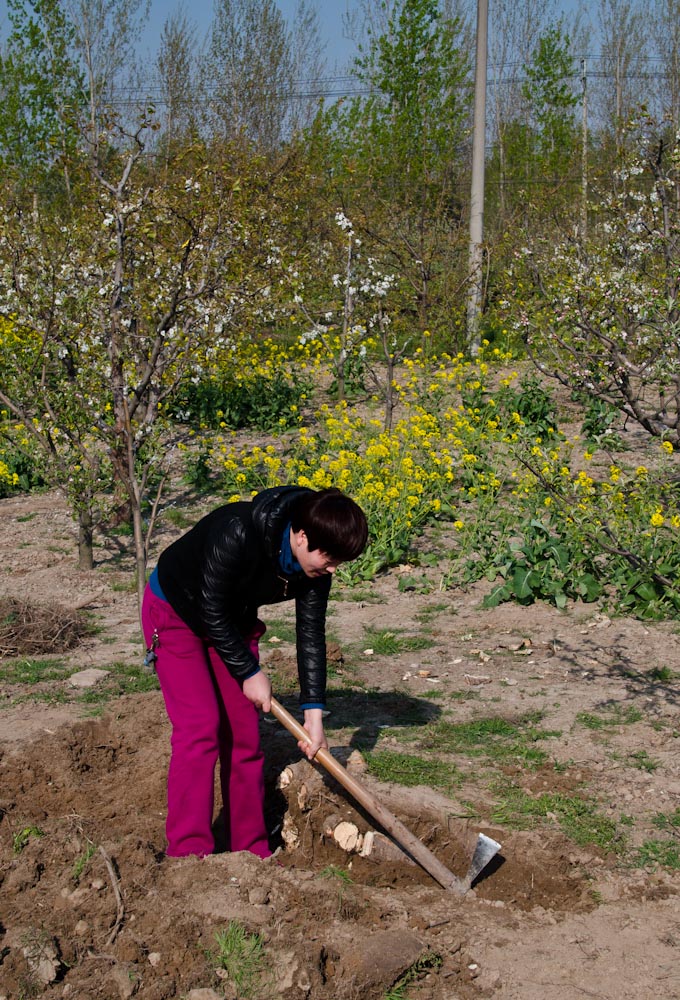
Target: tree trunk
(85, 540)
(140, 552)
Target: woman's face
(314, 562)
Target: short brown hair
(333, 522)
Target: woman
(201, 626)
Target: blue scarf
(287, 561)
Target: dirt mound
(93, 908)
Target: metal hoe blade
(485, 850)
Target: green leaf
(524, 581)
(497, 596)
(646, 591)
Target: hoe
(485, 849)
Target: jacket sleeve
(223, 572)
(310, 620)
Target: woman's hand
(314, 726)
(258, 689)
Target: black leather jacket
(219, 573)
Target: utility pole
(584, 154)
(474, 302)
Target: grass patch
(177, 518)
(658, 854)
(577, 817)
(50, 696)
(409, 769)
(609, 717)
(669, 822)
(386, 642)
(279, 628)
(431, 610)
(33, 671)
(283, 682)
(493, 737)
(370, 712)
(122, 679)
(357, 595)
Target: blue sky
(338, 52)
(338, 49)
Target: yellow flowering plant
(481, 451)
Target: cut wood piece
(378, 847)
(347, 836)
(290, 833)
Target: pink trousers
(211, 719)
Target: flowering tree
(605, 316)
(110, 308)
(358, 319)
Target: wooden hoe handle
(389, 822)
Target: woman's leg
(241, 763)
(186, 681)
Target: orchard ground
(571, 760)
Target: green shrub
(264, 401)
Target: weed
(598, 418)
(668, 821)
(642, 761)
(79, 866)
(415, 584)
(663, 674)
(534, 403)
(333, 871)
(422, 965)
(21, 838)
(198, 473)
(241, 956)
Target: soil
(91, 907)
